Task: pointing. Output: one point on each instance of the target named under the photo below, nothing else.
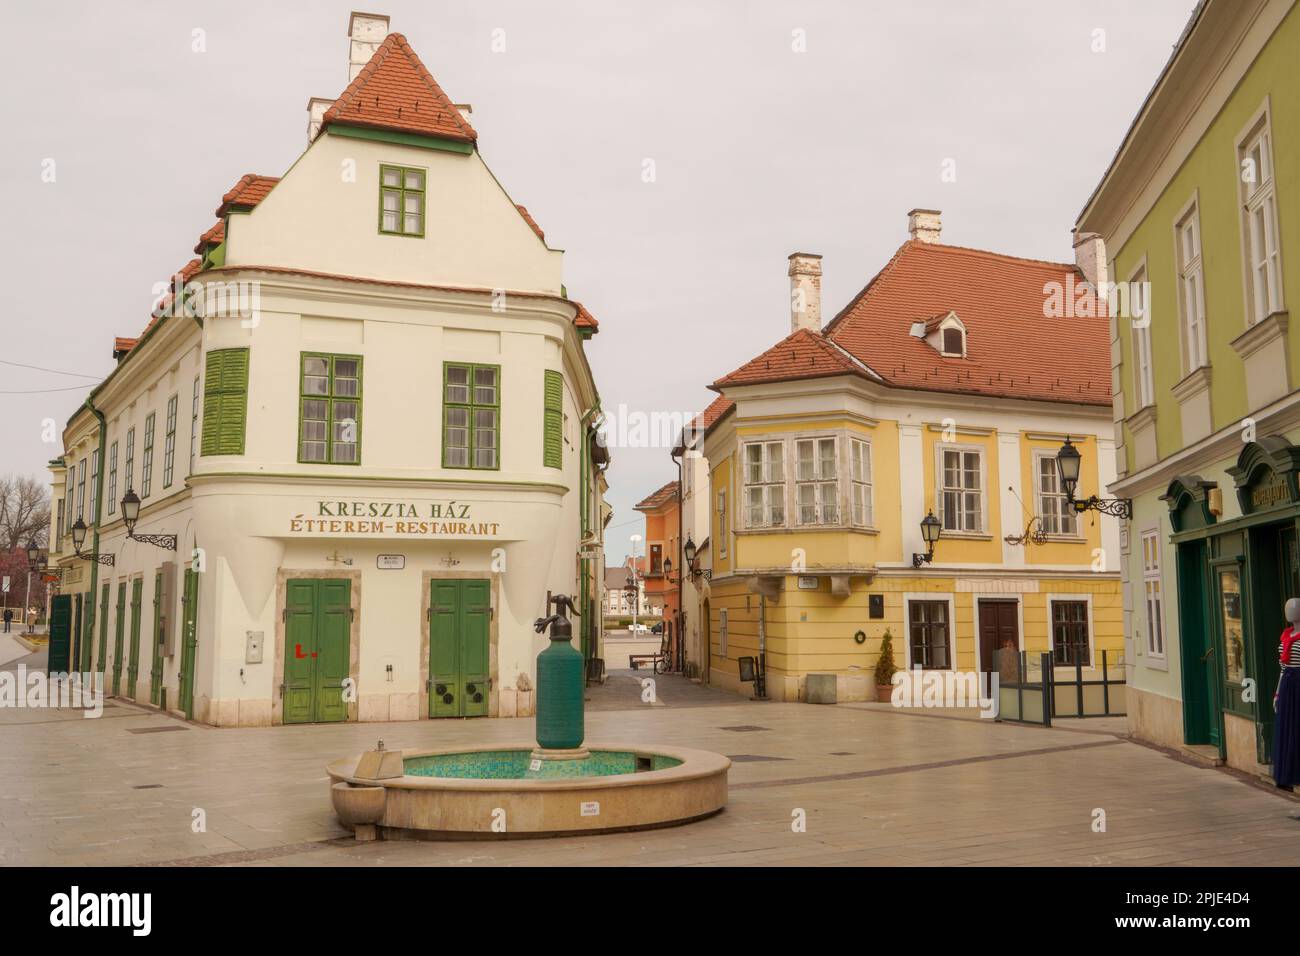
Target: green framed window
(401, 200)
(225, 402)
(553, 420)
(329, 409)
(146, 458)
(169, 443)
(194, 425)
(471, 416)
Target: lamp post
(1067, 468)
(79, 538)
(931, 528)
(690, 553)
(131, 514)
(35, 561)
(636, 592)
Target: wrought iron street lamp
(690, 553)
(930, 531)
(1067, 467)
(131, 514)
(79, 538)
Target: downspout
(99, 507)
(590, 628)
(682, 570)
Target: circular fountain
(558, 787)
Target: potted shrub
(885, 668)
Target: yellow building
(946, 386)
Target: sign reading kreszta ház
(449, 519)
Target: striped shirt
(1294, 660)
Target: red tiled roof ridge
(834, 360)
(389, 92)
(250, 190)
(215, 235)
(657, 497)
(528, 218)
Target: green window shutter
(225, 402)
(553, 421)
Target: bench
(636, 660)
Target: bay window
(764, 484)
(816, 481)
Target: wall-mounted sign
(449, 519)
(1269, 491)
(390, 562)
(807, 582)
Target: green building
(1200, 211)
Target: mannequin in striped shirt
(1286, 703)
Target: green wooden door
(119, 631)
(156, 666)
(76, 632)
(60, 634)
(189, 641)
(460, 616)
(103, 627)
(317, 649)
(133, 662)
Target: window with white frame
(722, 523)
(816, 481)
(860, 479)
(764, 484)
(1263, 258)
(1140, 320)
(961, 489)
(1191, 290)
(1152, 594)
(722, 632)
(1054, 513)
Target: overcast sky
(759, 150)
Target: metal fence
(1031, 691)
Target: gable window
(928, 635)
(1191, 290)
(961, 490)
(860, 475)
(1070, 634)
(1140, 319)
(401, 201)
(146, 459)
(225, 402)
(765, 484)
(954, 342)
(1054, 513)
(169, 443)
(1263, 258)
(129, 463)
(329, 426)
(816, 483)
(112, 478)
(471, 416)
(1151, 586)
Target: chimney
(367, 32)
(1090, 257)
(805, 292)
(316, 107)
(923, 225)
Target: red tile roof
(394, 91)
(245, 194)
(528, 218)
(801, 354)
(214, 236)
(1012, 348)
(584, 319)
(718, 409)
(122, 345)
(658, 499)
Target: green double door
(317, 649)
(60, 650)
(189, 642)
(119, 633)
(156, 668)
(460, 617)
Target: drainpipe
(682, 570)
(760, 678)
(99, 507)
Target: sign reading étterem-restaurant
(433, 519)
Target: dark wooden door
(60, 634)
(999, 629)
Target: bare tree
(24, 511)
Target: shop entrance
(1202, 717)
(317, 649)
(460, 616)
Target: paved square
(877, 787)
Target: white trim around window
(861, 483)
(961, 491)
(1094, 662)
(1140, 318)
(1260, 236)
(1155, 647)
(1191, 285)
(909, 598)
(1055, 516)
(762, 476)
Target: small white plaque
(807, 582)
(390, 562)
(534, 765)
(591, 808)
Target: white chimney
(1090, 257)
(366, 31)
(805, 292)
(316, 107)
(923, 225)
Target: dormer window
(954, 341)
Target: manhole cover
(745, 728)
(751, 758)
(153, 730)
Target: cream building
(367, 419)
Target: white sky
(759, 151)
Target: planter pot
(884, 692)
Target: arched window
(953, 342)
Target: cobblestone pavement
(877, 786)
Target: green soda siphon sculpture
(560, 681)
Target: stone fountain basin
(432, 807)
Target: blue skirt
(1286, 732)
